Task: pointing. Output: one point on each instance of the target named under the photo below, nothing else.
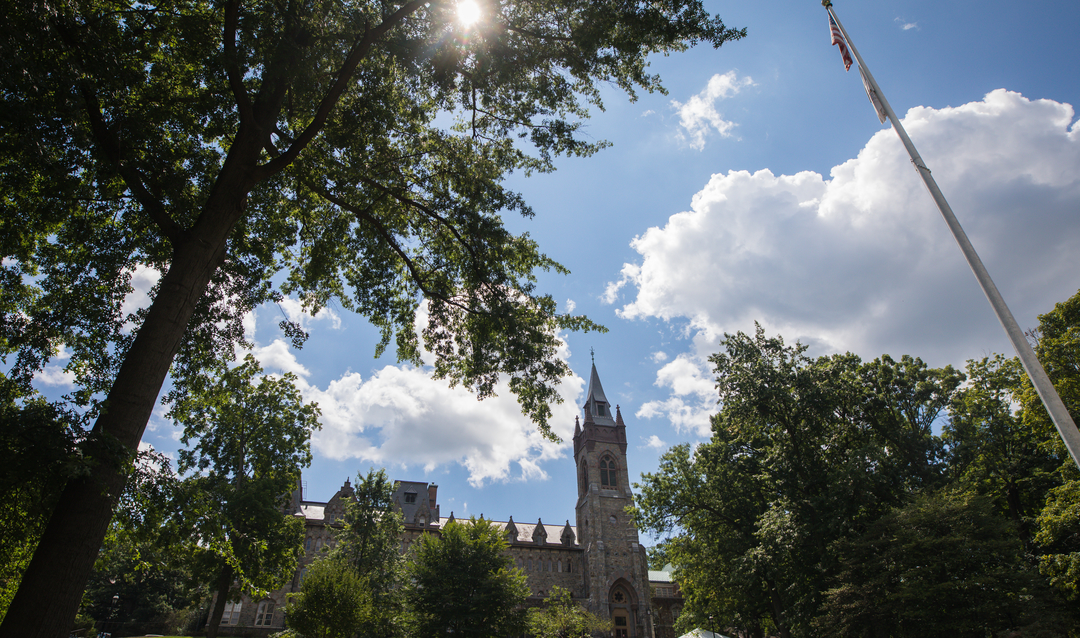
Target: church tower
(615, 566)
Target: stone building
(599, 559)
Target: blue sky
(761, 188)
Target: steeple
(597, 408)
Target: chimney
(432, 490)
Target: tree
(249, 444)
(804, 452)
(943, 565)
(994, 450)
(463, 582)
(561, 617)
(1058, 538)
(246, 150)
(334, 601)
(369, 543)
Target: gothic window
(619, 597)
(410, 497)
(530, 564)
(569, 566)
(584, 478)
(232, 613)
(264, 615)
(560, 566)
(549, 565)
(600, 409)
(607, 472)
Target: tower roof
(596, 391)
(597, 407)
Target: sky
(761, 188)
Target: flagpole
(1064, 423)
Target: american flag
(838, 40)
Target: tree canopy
(463, 582)
(827, 503)
(244, 150)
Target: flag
(875, 99)
(838, 40)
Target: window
(600, 409)
(307, 544)
(530, 564)
(410, 497)
(232, 614)
(607, 472)
(569, 566)
(264, 615)
(560, 566)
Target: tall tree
(994, 450)
(463, 582)
(249, 149)
(369, 543)
(249, 437)
(804, 452)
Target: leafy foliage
(249, 444)
(561, 617)
(942, 565)
(463, 582)
(369, 543)
(334, 601)
(1058, 537)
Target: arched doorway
(622, 603)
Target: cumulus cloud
(905, 25)
(862, 261)
(295, 311)
(401, 415)
(571, 305)
(698, 116)
(654, 443)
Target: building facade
(599, 559)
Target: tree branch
(330, 100)
(232, 68)
(109, 143)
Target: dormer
(540, 534)
(568, 537)
(511, 531)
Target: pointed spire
(568, 534)
(451, 519)
(577, 425)
(618, 416)
(597, 408)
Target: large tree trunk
(223, 585)
(51, 589)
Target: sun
(468, 12)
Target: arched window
(264, 615)
(608, 472)
(583, 477)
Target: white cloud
(862, 261)
(654, 442)
(55, 376)
(278, 357)
(401, 415)
(571, 306)
(295, 311)
(698, 116)
(659, 356)
(905, 25)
